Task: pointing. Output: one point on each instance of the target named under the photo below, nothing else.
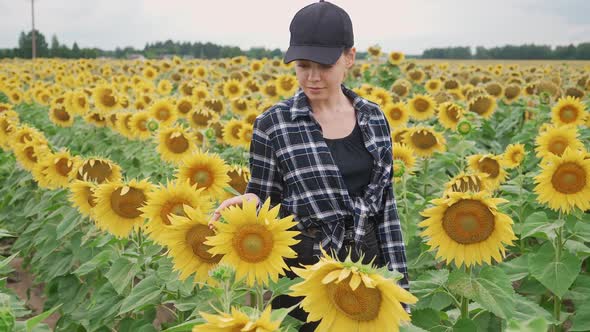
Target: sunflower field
(110, 171)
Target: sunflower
(82, 196)
(568, 111)
(350, 296)
(200, 118)
(449, 115)
(201, 72)
(175, 144)
(468, 228)
(98, 170)
(491, 165)
(59, 116)
(374, 51)
(105, 98)
(555, 140)
(80, 103)
(511, 93)
(422, 107)
(200, 93)
(240, 106)
(398, 134)
(233, 89)
(60, 168)
(270, 90)
(395, 58)
(494, 89)
(483, 105)
(184, 106)
(416, 75)
(7, 129)
(164, 87)
(564, 182)
(433, 85)
(286, 84)
(118, 206)
(238, 321)
(254, 243)
(123, 124)
(207, 171)
(164, 112)
(30, 154)
(165, 202)
(424, 140)
(514, 155)
(405, 154)
(139, 125)
(96, 119)
(239, 176)
(231, 130)
(467, 182)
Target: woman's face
(320, 82)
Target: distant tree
(25, 42)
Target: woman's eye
(327, 66)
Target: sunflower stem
(521, 208)
(259, 297)
(465, 300)
(557, 299)
(425, 177)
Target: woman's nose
(314, 74)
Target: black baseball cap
(319, 33)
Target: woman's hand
(230, 202)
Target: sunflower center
(172, 207)
(399, 137)
(162, 114)
(99, 171)
(468, 221)
(489, 166)
(195, 238)
(90, 197)
(400, 89)
(421, 105)
(453, 113)
(202, 177)
(271, 90)
(61, 114)
(361, 304)
(235, 130)
(200, 119)
(107, 99)
(396, 113)
(82, 102)
(142, 125)
(287, 85)
(233, 89)
(466, 184)
(557, 145)
(516, 156)
(568, 114)
(482, 106)
(569, 178)
(178, 144)
(423, 140)
(127, 205)
(30, 153)
(184, 107)
(237, 181)
(253, 243)
(62, 166)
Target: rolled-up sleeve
(265, 178)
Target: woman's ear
(350, 57)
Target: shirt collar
(302, 108)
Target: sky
(409, 26)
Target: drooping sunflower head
(564, 181)
(483, 105)
(82, 196)
(422, 107)
(467, 228)
(397, 114)
(349, 294)
(254, 243)
(105, 98)
(492, 165)
(449, 115)
(208, 171)
(401, 87)
(175, 144)
(98, 170)
(239, 177)
(167, 201)
(199, 118)
(60, 168)
(404, 154)
(424, 140)
(398, 134)
(30, 154)
(514, 155)
(494, 89)
(231, 132)
(511, 93)
(472, 182)
(118, 206)
(554, 140)
(60, 116)
(568, 111)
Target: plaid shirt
(291, 163)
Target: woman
(326, 155)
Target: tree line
(513, 52)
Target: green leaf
(555, 274)
(4, 233)
(464, 325)
(516, 268)
(492, 289)
(580, 290)
(186, 326)
(431, 320)
(146, 292)
(411, 328)
(533, 325)
(581, 321)
(121, 273)
(281, 287)
(538, 223)
(428, 287)
(526, 309)
(68, 223)
(99, 260)
(4, 263)
(34, 321)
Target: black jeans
(369, 247)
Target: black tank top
(353, 160)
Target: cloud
(409, 26)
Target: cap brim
(319, 54)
